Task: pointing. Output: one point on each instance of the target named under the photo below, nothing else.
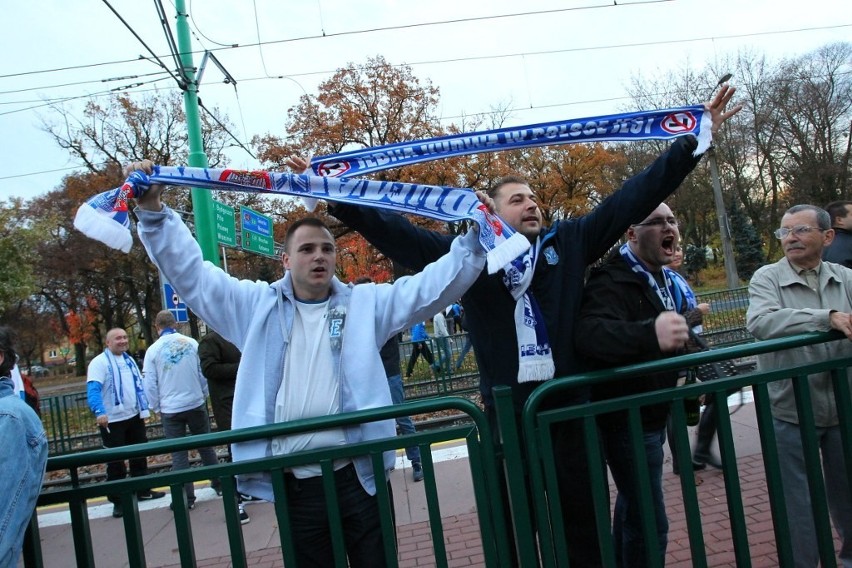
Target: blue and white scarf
(114, 377)
(535, 358)
(105, 217)
(675, 295)
(642, 125)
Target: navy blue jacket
(567, 248)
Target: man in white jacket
(176, 388)
(310, 347)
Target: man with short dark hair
(310, 348)
(178, 391)
(840, 249)
(798, 294)
(117, 399)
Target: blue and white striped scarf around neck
(535, 356)
(675, 295)
(114, 376)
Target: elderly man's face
(804, 248)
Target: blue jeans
(797, 496)
(359, 511)
(463, 352)
(175, 426)
(406, 426)
(629, 545)
(444, 354)
(22, 465)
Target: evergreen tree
(694, 261)
(748, 248)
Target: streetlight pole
(731, 275)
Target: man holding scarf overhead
(521, 320)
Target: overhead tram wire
(98, 94)
(170, 39)
(123, 78)
(506, 55)
(225, 128)
(460, 59)
(353, 32)
(179, 81)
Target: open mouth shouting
(669, 245)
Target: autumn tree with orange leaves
(378, 103)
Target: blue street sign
(173, 303)
(254, 222)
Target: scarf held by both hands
(105, 217)
(114, 376)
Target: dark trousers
(419, 348)
(362, 530)
(125, 433)
(575, 493)
(196, 421)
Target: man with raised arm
(310, 347)
(522, 328)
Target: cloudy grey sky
(546, 59)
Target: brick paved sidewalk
(464, 546)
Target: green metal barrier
(725, 324)
(523, 452)
(483, 469)
(537, 424)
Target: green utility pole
(202, 202)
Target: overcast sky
(548, 59)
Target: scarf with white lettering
(105, 216)
(535, 359)
(643, 125)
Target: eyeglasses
(659, 222)
(798, 230)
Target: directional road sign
(256, 232)
(226, 226)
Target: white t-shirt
(309, 387)
(439, 323)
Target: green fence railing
(71, 427)
(532, 460)
(482, 470)
(542, 467)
